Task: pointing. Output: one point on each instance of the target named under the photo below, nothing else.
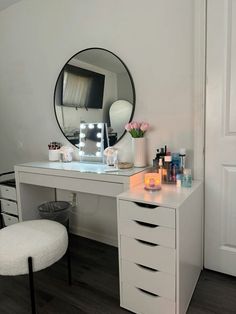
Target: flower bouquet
(137, 129)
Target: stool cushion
(46, 241)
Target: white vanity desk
(159, 233)
(36, 181)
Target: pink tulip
(144, 126)
(135, 125)
(128, 127)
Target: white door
(220, 219)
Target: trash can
(55, 210)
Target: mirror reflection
(94, 86)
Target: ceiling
(6, 3)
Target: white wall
(154, 38)
(37, 37)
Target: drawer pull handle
(146, 243)
(149, 293)
(147, 268)
(146, 205)
(146, 224)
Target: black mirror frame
(131, 80)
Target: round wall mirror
(94, 86)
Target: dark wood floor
(95, 288)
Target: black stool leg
(68, 255)
(31, 284)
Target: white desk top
(76, 169)
(170, 195)
(82, 167)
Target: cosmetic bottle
(176, 160)
(178, 180)
(156, 161)
(167, 170)
(182, 155)
(160, 169)
(187, 178)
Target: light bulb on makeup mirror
(81, 153)
(82, 135)
(99, 135)
(82, 126)
(81, 144)
(98, 154)
(91, 126)
(98, 144)
(99, 125)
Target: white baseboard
(94, 236)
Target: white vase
(139, 151)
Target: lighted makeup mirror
(93, 87)
(93, 140)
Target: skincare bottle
(178, 180)
(167, 177)
(182, 155)
(187, 178)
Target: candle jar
(152, 181)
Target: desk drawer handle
(147, 268)
(149, 293)
(146, 205)
(146, 242)
(146, 224)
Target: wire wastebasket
(55, 210)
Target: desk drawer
(8, 192)
(149, 279)
(148, 232)
(9, 220)
(162, 216)
(72, 184)
(140, 301)
(9, 207)
(148, 254)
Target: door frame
(199, 92)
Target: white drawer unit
(148, 254)
(9, 208)
(8, 192)
(148, 232)
(149, 213)
(160, 248)
(149, 279)
(140, 301)
(9, 219)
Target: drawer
(9, 207)
(162, 216)
(8, 192)
(141, 301)
(149, 279)
(148, 254)
(148, 231)
(9, 220)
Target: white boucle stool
(30, 246)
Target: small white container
(54, 154)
